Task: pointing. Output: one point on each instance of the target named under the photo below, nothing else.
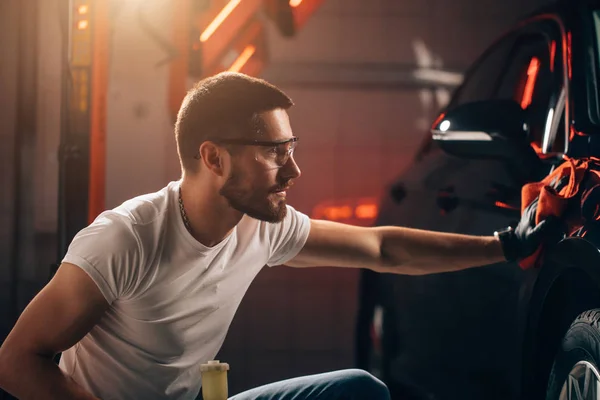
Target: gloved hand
(527, 237)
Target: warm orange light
(98, 94)
(83, 24)
(573, 133)
(532, 72)
(83, 9)
(361, 211)
(295, 3)
(438, 120)
(212, 27)
(552, 54)
(366, 211)
(536, 147)
(334, 213)
(504, 205)
(239, 63)
(569, 55)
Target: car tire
(578, 357)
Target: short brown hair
(222, 106)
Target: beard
(256, 204)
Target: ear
(211, 156)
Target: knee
(363, 385)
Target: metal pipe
(361, 76)
(25, 134)
(65, 23)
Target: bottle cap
(214, 365)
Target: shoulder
(147, 208)
(109, 230)
(126, 226)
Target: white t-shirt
(172, 299)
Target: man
(146, 293)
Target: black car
(498, 332)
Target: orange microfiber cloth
(576, 204)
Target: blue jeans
(348, 384)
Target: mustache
(282, 186)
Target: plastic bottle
(214, 380)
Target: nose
(291, 170)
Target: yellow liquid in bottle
(214, 380)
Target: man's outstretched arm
(395, 249)
(419, 252)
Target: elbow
(391, 263)
(14, 362)
(5, 367)
(399, 265)
(388, 260)
(383, 262)
(402, 269)
(11, 362)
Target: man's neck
(210, 217)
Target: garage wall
(8, 109)
(355, 139)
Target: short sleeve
(108, 250)
(288, 237)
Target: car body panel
(495, 328)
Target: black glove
(527, 237)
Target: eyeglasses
(273, 154)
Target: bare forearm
(418, 252)
(37, 377)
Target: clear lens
(275, 156)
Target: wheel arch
(567, 284)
